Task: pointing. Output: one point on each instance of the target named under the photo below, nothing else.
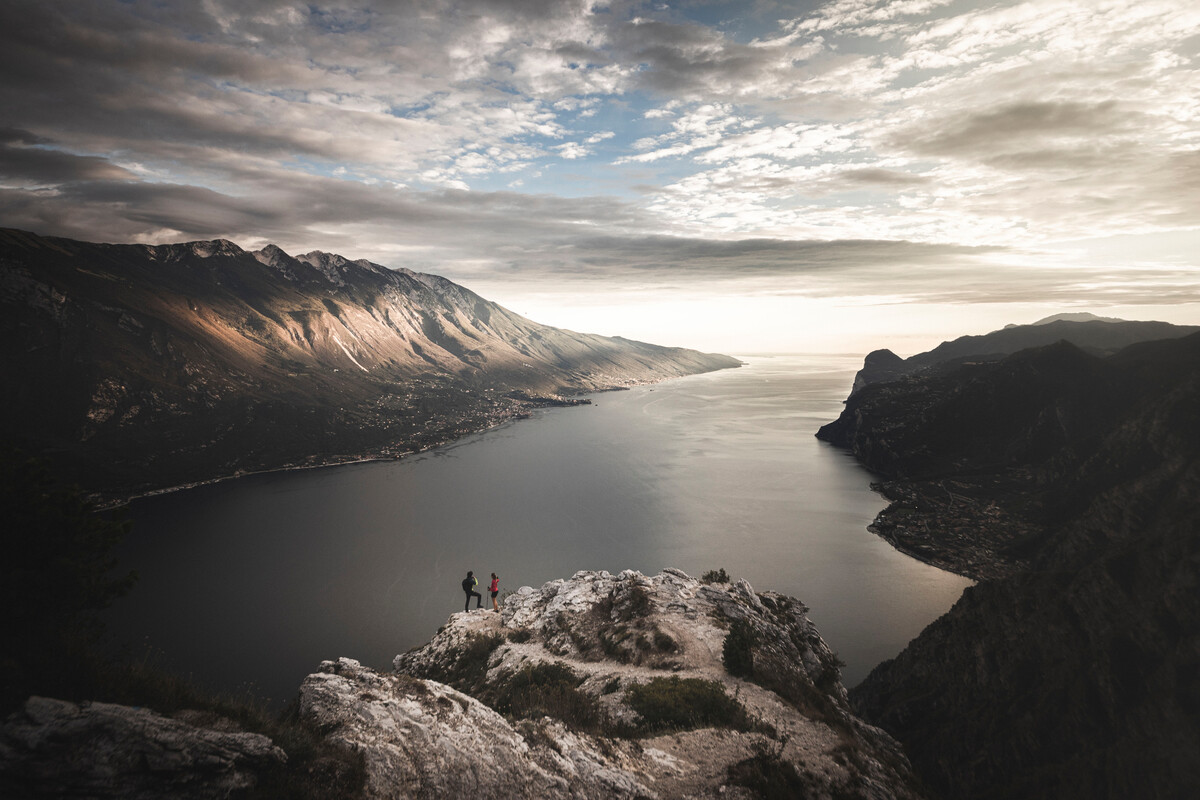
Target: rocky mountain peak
(215, 247)
(331, 265)
(271, 255)
(879, 366)
(1061, 481)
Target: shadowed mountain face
(140, 367)
(1100, 336)
(1070, 485)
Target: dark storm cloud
(289, 208)
(46, 167)
(756, 257)
(102, 74)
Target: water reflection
(258, 579)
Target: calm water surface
(255, 581)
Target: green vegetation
(546, 689)
(663, 643)
(715, 576)
(770, 777)
(738, 650)
(685, 703)
(781, 677)
(628, 607)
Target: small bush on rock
(715, 576)
(738, 650)
(546, 690)
(772, 778)
(685, 703)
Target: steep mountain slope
(149, 366)
(1095, 335)
(1070, 484)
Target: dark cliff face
(149, 366)
(1074, 671)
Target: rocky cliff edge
(612, 686)
(600, 686)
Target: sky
(737, 177)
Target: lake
(254, 581)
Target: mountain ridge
(145, 366)
(1097, 335)
(1068, 485)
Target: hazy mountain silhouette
(1096, 335)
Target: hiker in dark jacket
(469, 584)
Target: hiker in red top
(495, 590)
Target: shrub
(770, 777)
(636, 605)
(738, 650)
(784, 679)
(520, 635)
(663, 642)
(546, 689)
(685, 703)
(715, 576)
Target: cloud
(696, 151)
(24, 158)
(875, 176)
(1018, 127)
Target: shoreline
(387, 454)
(393, 451)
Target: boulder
(55, 748)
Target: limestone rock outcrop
(421, 738)
(54, 748)
(599, 686)
(612, 686)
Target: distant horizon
(903, 344)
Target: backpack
(467, 584)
